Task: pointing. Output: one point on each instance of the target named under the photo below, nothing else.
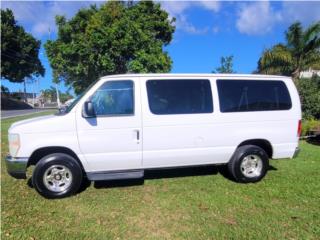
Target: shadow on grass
(161, 174)
(118, 183)
(169, 173)
(314, 140)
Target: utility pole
(33, 91)
(25, 91)
(58, 99)
(57, 91)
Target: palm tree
(301, 52)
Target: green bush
(308, 125)
(309, 91)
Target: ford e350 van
(125, 124)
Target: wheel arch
(262, 143)
(44, 151)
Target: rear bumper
(17, 167)
(296, 152)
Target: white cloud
(188, 27)
(177, 9)
(210, 5)
(215, 29)
(257, 18)
(39, 17)
(305, 12)
(41, 28)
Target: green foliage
(308, 125)
(226, 65)
(19, 51)
(309, 91)
(4, 90)
(65, 96)
(116, 38)
(51, 94)
(300, 52)
(191, 203)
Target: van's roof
(195, 75)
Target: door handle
(137, 135)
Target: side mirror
(62, 109)
(88, 110)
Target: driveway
(15, 113)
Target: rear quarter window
(253, 95)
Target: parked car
(125, 124)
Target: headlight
(14, 144)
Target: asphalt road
(15, 113)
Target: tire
(248, 164)
(63, 176)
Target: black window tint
(114, 98)
(257, 95)
(179, 96)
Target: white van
(125, 124)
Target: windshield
(78, 98)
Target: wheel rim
(57, 178)
(251, 166)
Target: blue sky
(205, 30)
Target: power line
(20, 57)
(25, 55)
(17, 58)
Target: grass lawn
(194, 203)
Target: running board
(115, 175)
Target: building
(309, 73)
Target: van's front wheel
(248, 164)
(57, 175)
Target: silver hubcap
(251, 166)
(57, 178)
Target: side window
(179, 96)
(253, 95)
(114, 98)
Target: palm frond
(312, 32)
(294, 37)
(312, 60)
(277, 60)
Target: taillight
(299, 128)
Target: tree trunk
(296, 75)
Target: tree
(309, 91)
(300, 52)
(116, 38)
(65, 96)
(50, 94)
(19, 51)
(4, 90)
(226, 65)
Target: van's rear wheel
(248, 164)
(57, 175)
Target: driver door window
(114, 98)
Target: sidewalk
(16, 113)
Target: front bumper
(296, 152)
(17, 167)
